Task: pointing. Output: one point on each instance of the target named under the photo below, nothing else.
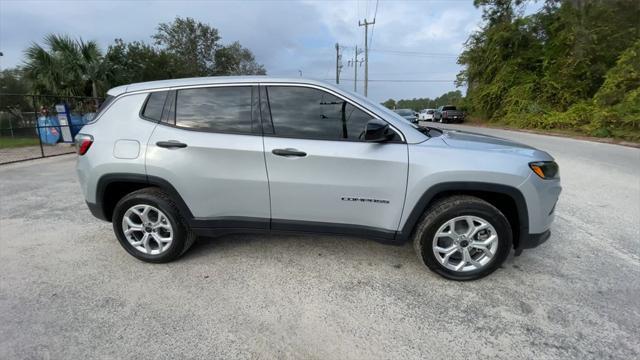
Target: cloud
(284, 36)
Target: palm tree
(66, 66)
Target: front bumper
(532, 240)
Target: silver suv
(168, 161)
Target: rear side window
(154, 105)
(216, 109)
(308, 113)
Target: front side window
(217, 109)
(308, 113)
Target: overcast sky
(285, 36)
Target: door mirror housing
(378, 131)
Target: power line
(375, 13)
(414, 53)
(403, 80)
(407, 53)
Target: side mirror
(378, 131)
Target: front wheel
(149, 226)
(463, 238)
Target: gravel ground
(68, 291)
(30, 152)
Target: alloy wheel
(147, 229)
(465, 243)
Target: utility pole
(338, 63)
(366, 53)
(355, 70)
(355, 62)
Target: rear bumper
(97, 211)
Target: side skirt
(237, 225)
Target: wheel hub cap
(465, 243)
(147, 229)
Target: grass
(9, 142)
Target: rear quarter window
(153, 106)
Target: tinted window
(314, 114)
(153, 107)
(448, 108)
(224, 109)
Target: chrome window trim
(267, 83)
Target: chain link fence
(38, 126)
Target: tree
(12, 102)
(198, 47)
(193, 42)
(138, 62)
(66, 66)
(391, 104)
(449, 98)
(236, 60)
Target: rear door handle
(289, 152)
(171, 144)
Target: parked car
(167, 161)
(449, 114)
(426, 115)
(407, 114)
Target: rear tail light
(83, 143)
(445, 114)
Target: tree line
(417, 104)
(575, 65)
(65, 66)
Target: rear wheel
(463, 238)
(149, 226)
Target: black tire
(448, 208)
(183, 237)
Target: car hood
(475, 141)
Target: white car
(426, 115)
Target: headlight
(545, 169)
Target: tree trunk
(94, 93)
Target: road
(68, 291)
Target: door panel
(219, 175)
(337, 182)
(319, 168)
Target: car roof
(211, 80)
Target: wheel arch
(113, 187)
(509, 200)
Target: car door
(208, 146)
(322, 173)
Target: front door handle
(171, 144)
(289, 152)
